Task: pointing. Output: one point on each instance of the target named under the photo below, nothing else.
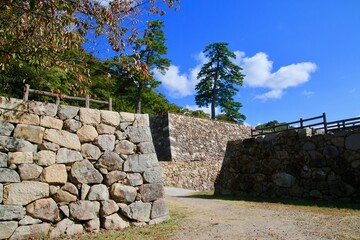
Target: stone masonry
(191, 150)
(294, 164)
(65, 170)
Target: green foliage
(218, 80)
(269, 125)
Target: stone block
(7, 229)
(105, 129)
(72, 125)
(159, 209)
(27, 220)
(49, 146)
(29, 171)
(110, 161)
(45, 209)
(6, 128)
(110, 118)
(60, 228)
(9, 176)
(98, 192)
(123, 193)
(28, 190)
(74, 229)
(45, 158)
(138, 211)
(44, 109)
(108, 207)
(55, 174)
(151, 192)
(140, 163)
(12, 144)
(51, 122)
(31, 232)
(21, 157)
(146, 147)
(141, 120)
(114, 176)
(84, 172)
(105, 142)
(90, 151)
(65, 155)
(63, 138)
(153, 175)
(67, 112)
(11, 212)
(13, 104)
(125, 147)
(138, 134)
(135, 179)
(283, 179)
(4, 159)
(127, 117)
(19, 117)
(84, 191)
(87, 133)
(93, 225)
(90, 116)
(84, 210)
(352, 142)
(115, 222)
(120, 135)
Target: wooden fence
(87, 98)
(315, 123)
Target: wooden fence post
(325, 123)
(87, 101)
(26, 92)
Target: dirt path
(224, 219)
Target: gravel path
(225, 219)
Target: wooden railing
(87, 98)
(315, 123)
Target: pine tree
(218, 80)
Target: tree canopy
(218, 79)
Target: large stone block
(151, 192)
(110, 118)
(30, 133)
(45, 109)
(140, 163)
(138, 134)
(65, 155)
(90, 151)
(141, 120)
(45, 158)
(67, 112)
(93, 225)
(72, 125)
(9, 176)
(49, 146)
(29, 171)
(138, 211)
(159, 209)
(153, 175)
(283, 179)
(4, 159)
(7, 229)
(105, 142)
(135, 179)
(31, 232)
(87, 133)
(84, 210)
(19, 117)
(146, 147)
(125, 147)
(28, 190)
(12, 144)
(55, 174)
(63, 138)
(108, 207)
(123, 193)
(11, 212)
(110, 161)
(114, 176)
(115, 222)
(6, 128)
(105, 129)
(21, 157)
(84, 172)
(98, 192)
(90, 116)
(51, 122)
(27, 220)
(45, 209)
(60, 228)
(352, 142)
(127, 117)
(13, 104)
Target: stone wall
(294, 164)
(65, 170)
(194, 147)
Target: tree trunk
(139, 98)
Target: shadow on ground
(295, 202)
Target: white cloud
(258, 73)
(257, 70)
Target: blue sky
(301, 57)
